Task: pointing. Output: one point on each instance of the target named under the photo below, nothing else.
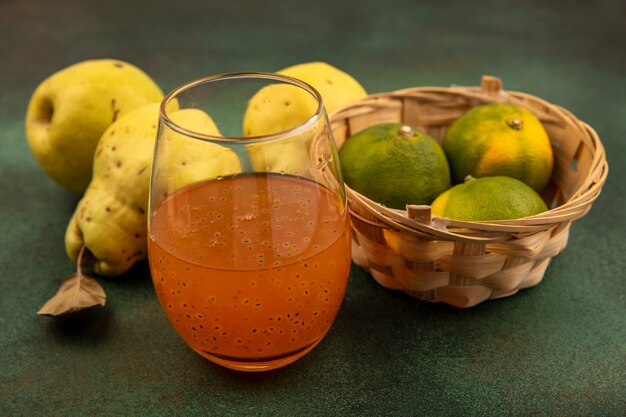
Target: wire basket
(464, 263)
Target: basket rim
(576, 206)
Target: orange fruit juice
(252, 269)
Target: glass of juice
(249, 241)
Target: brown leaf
(76, 293)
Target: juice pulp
(251, 270)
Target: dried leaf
(78, 292)
(75, 294)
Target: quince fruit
(111, 218)
(280, 107)
(69, 111)
(266, 114)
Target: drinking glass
(249, 242)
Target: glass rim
(164, 117)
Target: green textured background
(558, 349)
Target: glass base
(257, 364)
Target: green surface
(558, 349)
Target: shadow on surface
(87, 327)
(380, 324)
(136, 277)
(241, 377)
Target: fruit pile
(497, 157)
(92, 127)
